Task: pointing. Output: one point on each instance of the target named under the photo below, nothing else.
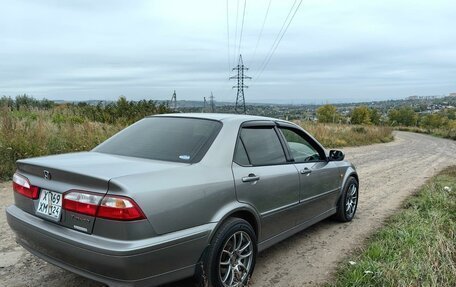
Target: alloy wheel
(236, 260)
(351, 200)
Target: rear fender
(233, 209)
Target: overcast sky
(333, 51)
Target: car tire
(348, 202)
(230, 258)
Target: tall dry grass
(31, 133)
(339, 135)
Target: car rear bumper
(145, 262)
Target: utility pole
(212, 103)
(174, 101)
(240, 77)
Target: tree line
(401, 116)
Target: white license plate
(50, 204)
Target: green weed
(417, 247)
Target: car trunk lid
(84, 171)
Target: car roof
(219, 116)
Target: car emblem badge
(47, 175)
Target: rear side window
(240, 155)
(263, 146)
(164, 138)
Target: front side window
(300, 148)
(263, 146)
(164, 138)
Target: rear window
(164, 138)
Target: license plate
(50, 204)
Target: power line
(276, 40)
(228, 36)
(276, 43)
(281, 37)
(235, 32)
(242, 27)
(278, 35)
(261, 31)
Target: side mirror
(336, 155)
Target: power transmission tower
(212, 103)
(204, 105)
(174, 101)
(240, 77)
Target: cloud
(333, 50)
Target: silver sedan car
(179, 195)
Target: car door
(264, 178)
(319, 179)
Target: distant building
(452, 95)
(412, 98)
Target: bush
(328, 114)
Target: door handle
(305, 171)
(250, 178)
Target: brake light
(81, 202)
(119, 208)
(22, 185)
(109, 207)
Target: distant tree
(433, 121)
(6, 102)
(375, 116)
(361, 115)
(46, 104)
(404, 116)
(25, 101)
(328, 114)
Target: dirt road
(388, 174)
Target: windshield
(164, 138)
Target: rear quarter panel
(188, 197)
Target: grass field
(26, 134)
(337, 135)
(417, 247)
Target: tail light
(109, 206)
(22, 185)
(120, 208)
(81, 202)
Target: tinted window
(240, 155)
(300, 148)
(164, 138)
(263, 146)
